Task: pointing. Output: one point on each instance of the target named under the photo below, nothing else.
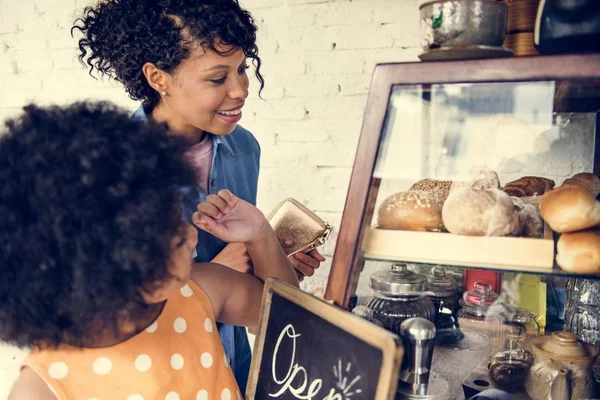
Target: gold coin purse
(291, 220)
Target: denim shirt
(235, 166)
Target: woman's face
(206, 92)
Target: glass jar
(474, 313)
(442, 293)
(398, 294)
(529, 328)
(366, 313)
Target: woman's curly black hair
(89, 208)
(120, 36)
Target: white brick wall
(318, 58)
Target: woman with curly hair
(97, 275)
(187, 61)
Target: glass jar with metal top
(398, 294)
(442, 293)
(475, 313)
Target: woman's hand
(231, 219)
(235, 256)
(304, 263)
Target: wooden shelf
(504, 253)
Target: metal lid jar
(442, 292)
(398, 294)
(475, 313)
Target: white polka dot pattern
(226, 394)
(208, 325)
(177, 361)
(186, 291)
(58, 370)
(143, 362)
(135, 397)
(206, 359)
(225, 360)
(102, 366)
(180, 325)
(152, 328)
(202, 395)
(172, 396)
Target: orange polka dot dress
(178, 357)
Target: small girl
(95, 261)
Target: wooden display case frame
(363, 188)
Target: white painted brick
(284, 64)
(24, 81)
(338, 152)
(365, 36)
(333, 62)
(404, 35)
(62, 39)
(345, 13)
(258, 4)
(65, 59)
(306, 39)
(34, 61)
(339, 108)
(395, 54)
(308, 130)
(354, 84)
(7, 113)
(310, 86)
(303, 15)
(295, 2)
(283, 109)
(404, 11)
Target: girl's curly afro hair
(89, 208)
(120, 36)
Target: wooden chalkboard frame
(377, 337)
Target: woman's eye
(219, 81)
(243, 68)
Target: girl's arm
(30, 386)
(236, 296)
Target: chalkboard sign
(307, 349)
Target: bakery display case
(483, 173)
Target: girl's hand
(231, 219)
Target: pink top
(200, 155)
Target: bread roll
(411, 211)
(570, 208)
(439, 190)
(481, 178)
(488, 212)
(533, 225)
(587, 180)
(579, 252)
(528, 186)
